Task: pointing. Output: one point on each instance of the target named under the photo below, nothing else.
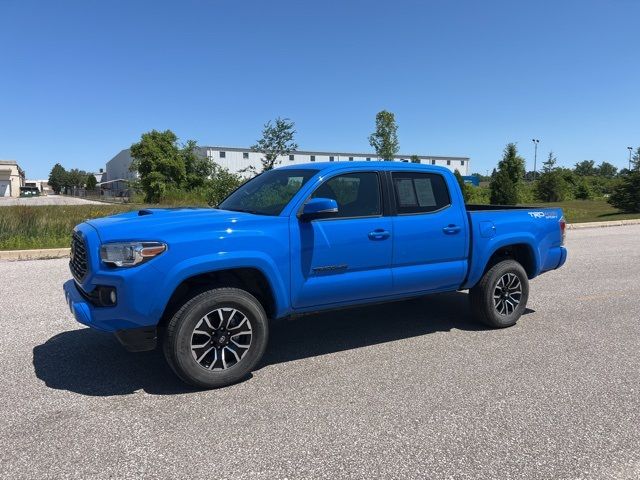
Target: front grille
(78, 261)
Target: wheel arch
(523, 253)
(250, 279)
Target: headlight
(129, 254)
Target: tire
(204, 352)
(500, 312)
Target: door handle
(451, 229)
(379, 234)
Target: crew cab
(205, 283)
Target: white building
(238, 159)
(11, 178)
(118, 168)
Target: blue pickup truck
(206, 282)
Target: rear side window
(419, 192)
(357, 194)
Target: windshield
(268, 193)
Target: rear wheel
(216, 338)
(500, 297)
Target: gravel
(46, 200)
(411, 389)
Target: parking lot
(411, 389)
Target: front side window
(357, 194)
(268, 193)
(223, 154)
(245, 155)
(420, 192)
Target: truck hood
(162, 223)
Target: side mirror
(319, 208)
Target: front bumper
(133, 337)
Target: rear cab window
(417, 192)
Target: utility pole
(535, 155)
(630, 150)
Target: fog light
(107, 296)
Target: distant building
(100, 176)
(11, 178)
(238, 160)
(118, 168)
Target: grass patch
(582, 211)
(26, 227)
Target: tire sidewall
(494, 275)
(206, 303)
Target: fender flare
(194, 266)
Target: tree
(586, 168)
(91, 182)
(464, 188)
(606, 170)
(415, 159)
(158, 160)
(550, 164)
(57, 178)
(551, 185)
(503, 190)
(277, 140)
(582, 191)
(512, 163)
(221, 185)
(626, 195)
(385, 138)
(505, 183)
(635, 160)
(76, 178)
(197, 168)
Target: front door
(346, 257)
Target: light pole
(535, 155)
(630, 150)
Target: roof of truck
(374, 165)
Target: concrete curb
(36, 254)
(42, 254)
(614, 223)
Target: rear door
(347, 257)
(429, 249)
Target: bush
(464, 188)
(552, 187)
(626, 195)
(503, 190)
(583, 192)
(478, 195)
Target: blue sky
(80, 80)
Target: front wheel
(500, 297)
(216, 338)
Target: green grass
(582, 211)
(27, 227)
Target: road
(46, 200)
(412, 389)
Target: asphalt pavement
(409, 389)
